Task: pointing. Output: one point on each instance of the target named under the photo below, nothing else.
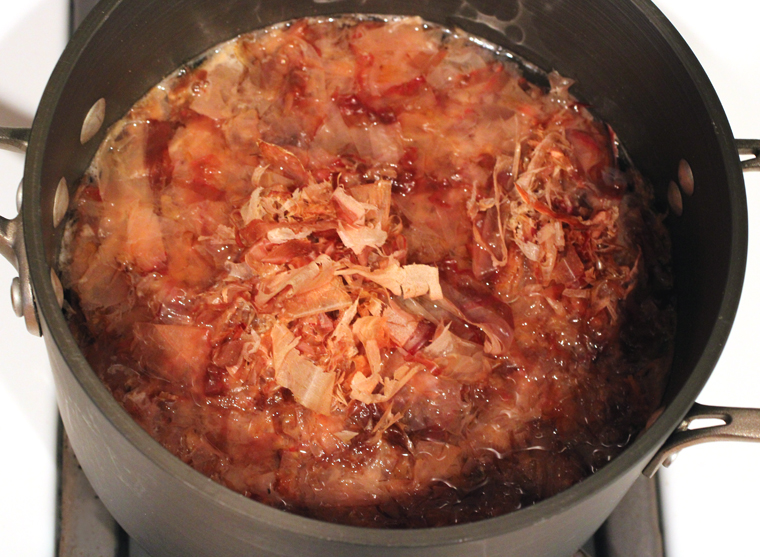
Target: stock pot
(631, 67)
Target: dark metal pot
(631, 66)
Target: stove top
(701, 481)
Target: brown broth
(365, 271)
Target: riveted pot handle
(14, 139)
(749, 147)
(735, 424)
(12, 242)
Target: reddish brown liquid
(317, 156)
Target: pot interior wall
(662, 109)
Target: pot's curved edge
(739, 213)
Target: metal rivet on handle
(93, 121)
(685, 177)
(19, 195)
(61, 202)
(17, 300)
(57, 287)
(674, 199)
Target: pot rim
(634, 456)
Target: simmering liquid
(364, 271)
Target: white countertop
(710, 492)
(32, 36)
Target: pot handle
(737, 424)
(749, 147)
(14, 139)
(12, 241)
